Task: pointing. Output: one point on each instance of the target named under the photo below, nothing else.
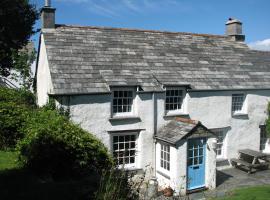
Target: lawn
(250, 193)
(17, 183)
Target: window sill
(163, 174)
(119, 118)
(176, 115)
(240, 115)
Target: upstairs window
(174, 99)
(165, 157)
(237, 102)
(122, 101)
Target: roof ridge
(186, 120)
(138, 30)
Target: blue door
(196, 163)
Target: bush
(15, 106)
(12, 118)
(54, 146)
(19, 96)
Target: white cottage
(142, 91)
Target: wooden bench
(250, 159)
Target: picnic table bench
(250, 159)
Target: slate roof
(91, 59)
(176, 129)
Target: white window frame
(123, 114)
(183, 107)
(223, 143)
(165, 157)
(243, 109)
(128, 165)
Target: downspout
(155, 130)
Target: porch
(228, 180)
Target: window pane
(133, 137)
(121, 145)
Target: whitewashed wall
(93, 113)
(44, 84)
(213, 109)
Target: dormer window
(174, 100)
(122, 103)
(238, 104)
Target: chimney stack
(234, 30)
(48, 15)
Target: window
(237, 102)
(221, 134)
(263, 137)
(165, 157)
(122, 101)
(174, 99)
(124, 149)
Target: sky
(196, 16)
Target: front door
(196, 163)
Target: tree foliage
(17, 19)
(15, 106)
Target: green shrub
(19, 96)
(12, 118)
(54, 146)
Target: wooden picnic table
(250, 159)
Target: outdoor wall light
(214, 144)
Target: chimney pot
(48, 3)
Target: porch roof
(177, 129)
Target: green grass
(8, 160)
(250, 193)
(17, 183)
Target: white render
(44, 82)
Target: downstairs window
(124, 149)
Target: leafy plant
(54, 146)
(18, 96)
(12, 118)
(115, 185)
(17, 22)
